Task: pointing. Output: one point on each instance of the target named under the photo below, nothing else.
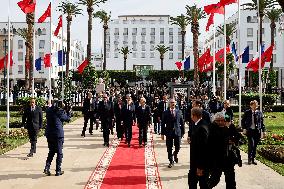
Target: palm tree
(90, 9)
(230, 30)
(104, 17)
(181, 21)
(281, 3)
(29, 44)
(264, 5)
(125, 51)
(23, 32)
(162, 50)
(273, 15)
(195, 14)
(71, 10)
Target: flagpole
(225, 53)
(240, 64)
(62, 60)
(49, 69)
(33, 63)
(8, 71)
(259, 62)
(214, 59)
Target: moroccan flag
(4, 60)
(82, 66)
(227, 2)
(179, 65)
(27, 6)
(46, 14)
(214, 8)
(219, 56)
(59, 25)
(46, 60)
(210, 21)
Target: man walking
(173, 128)
(89, 113)
(32, 121)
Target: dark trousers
(128, 132)
(170, 141)
(119, 128)
(193, 179)
(89, 116)
(253, 137)
(55, 145)
(143, 134)
(106, 125)
(33, 140)
(229, 177)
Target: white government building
(142, 33)
(42, 44)
(249, 29)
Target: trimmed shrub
(268, 99)
(273, 153)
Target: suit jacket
(106, 112)
(143, 116)
(118, 111)
(247, 120)
(55, 118)
(128, 114)
(88, 105)
(199, 145)
(172, 125)
(32, 120)
(205, 117)
(161, 108)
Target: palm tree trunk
(104, 64)
(183, 42)
(195, 54)
(125, 64)
(26, 66)
(89, 49)
(68, 47)
(162, 63)
(30, 22)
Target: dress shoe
(91, 133)
(58, 173)
(129, 145)
(83, 134)
(30, 155)
(253, 162)
(46, 172)
(249, 162)
(170, 165)
(145, 143)
(140, 145)
(107, 144)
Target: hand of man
(162, 137)
(199, 172)
(188, 140)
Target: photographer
(55, 116)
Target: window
(152, 47)
(143, 55)
(152, 31)
(179, 47)
(20, 69)
(250, 57)
(125, 38)
(162, 31)
(249, 19)
(20, 44)
(20, 56)
(152, 55)
(152, 39)
(143, 31)
(125, 31)
(171, 55)
(250, 32)
(116, 31)
(274, 59)
(162, 39)
(144, 38)
(179, 39)
(39, 31)
(179, 55)
(134, 55)
(171, 39)
(179, 31)
(143, 48)
(115, 55)
(41, 44)
(171, 48)
(41, 54)
(134, 31)
(134, 47)
(250, 44)
(171, 31)
(107, 55)
(263, 31)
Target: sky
(117, 7)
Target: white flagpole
(225, 53)
(240, 64)
(33, 63)
(62, 60)
(49, 69)
(259, 63)
(8, 71)
(214, 63)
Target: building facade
(42, 47)
(249, 37)
(142, 33)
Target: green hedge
(25, 101)
(267, 99)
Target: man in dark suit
(89, 113)
(173, 127)
(198, 140)
(128, 118)
(118, 117)
(32, 121)
(143, 114)
(55, 116)
(253, 127)
(162, 106)
(107, 117)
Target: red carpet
(127, 168)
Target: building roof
(143, 15)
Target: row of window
(144, 31)
(143, 39)
(143, 47)
(141, 21)
(143, 55)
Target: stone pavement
(81, 156)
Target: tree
(23, 32)
(230, 30)
(162, 50)
(281, 3)
(104, 17)
(195, 14)
(125, 51)
(90, 9)
(30, 20)
(70, 9)
(273, 15)
(181, 21)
